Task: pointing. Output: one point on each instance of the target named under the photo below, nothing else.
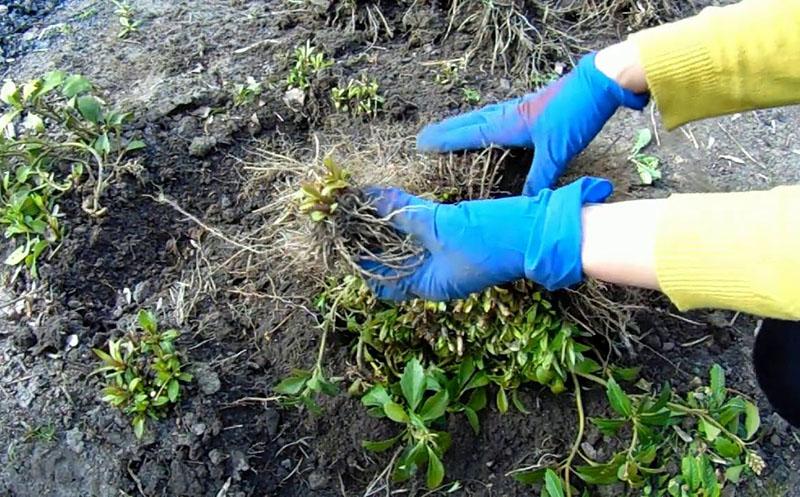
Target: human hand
(476, 244)
(559, 121)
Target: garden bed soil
(243, 330)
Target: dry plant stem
(578, 437)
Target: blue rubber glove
(476, 244)
(558, 121)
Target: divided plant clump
(420, 362)
(54, 131)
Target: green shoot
(318, 200)
(42, 433)
(471, 96)
(646, 165)
(247, 93)
(125, 14)
(359, 97)
(144, 372)
(307, 63)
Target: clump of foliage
(52, 131)
(125, 16)
(360, 97)
(247, 93)
(709, 431)
(471, 95)
(144, 372)
(307, 63)
(646, 165)
(346, 227)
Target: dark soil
(242, 329)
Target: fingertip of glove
(595, 189)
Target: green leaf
(619, 400)
(135, 145)
(727, 448)
(531, 477)
(608, 427)
(734, 473)
(602, 474)
(18, 255)
(643, 138)
(102, 144)
(50, 81)
(465, 371)
(376, 397)
(382, 445)
(147, 321)
(395, 412)
(718, 391)
(435, 470)
(553, 484)
(33, 123)
(6, 119)
(138, 426)
(412, 383)
(435, 406)
(518, 402)
(625, 374)
(472, 417)
(752, 420)
(90, 108)
(9, 94)
(173, 389)
(292, 385)
(477, 399)
(710, 431)
(75, 85)
(502, 400)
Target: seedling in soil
(51, 124)
(709, 431)
(646, 165)
(125, 15)
(42, 433)
(247, 93)
(307, 63)
(360, 97)
(471, 96)
(420, 404)
(144, 372)
(448, 74)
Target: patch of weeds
(41, 433)
(54, 30)
(144, 372)
(85, 14)
(646, 165)
(708, 433)
(471, 96)
(307, 63)
(50, 125)
(360, 97)
(125, 17)
(542, 79)
(449, 74)
(247, 93)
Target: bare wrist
(621, 62)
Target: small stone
(142, 291)
(590, 451)
(3, 10)
(202, 146)
(295, 98)
(216, 456)
(199, 428)
(207, 380)
(317, 480)
(72, 341)
(286, 464)
(74, 439)
(668, 346)
(775, 440)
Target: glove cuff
(553, 255)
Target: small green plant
(709, 431)
(471, 96)
(359, 97)
(449, 74)
(646, 165)
(307, 63)
(420, 404)
(318, 200)
(125, 14)
(85, 14)
(247, 93)
(42, 433)
(49, 124)
(144, 372)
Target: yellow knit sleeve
(723, 60)
(738, 251)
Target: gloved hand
(558, 121)
(476, 244)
